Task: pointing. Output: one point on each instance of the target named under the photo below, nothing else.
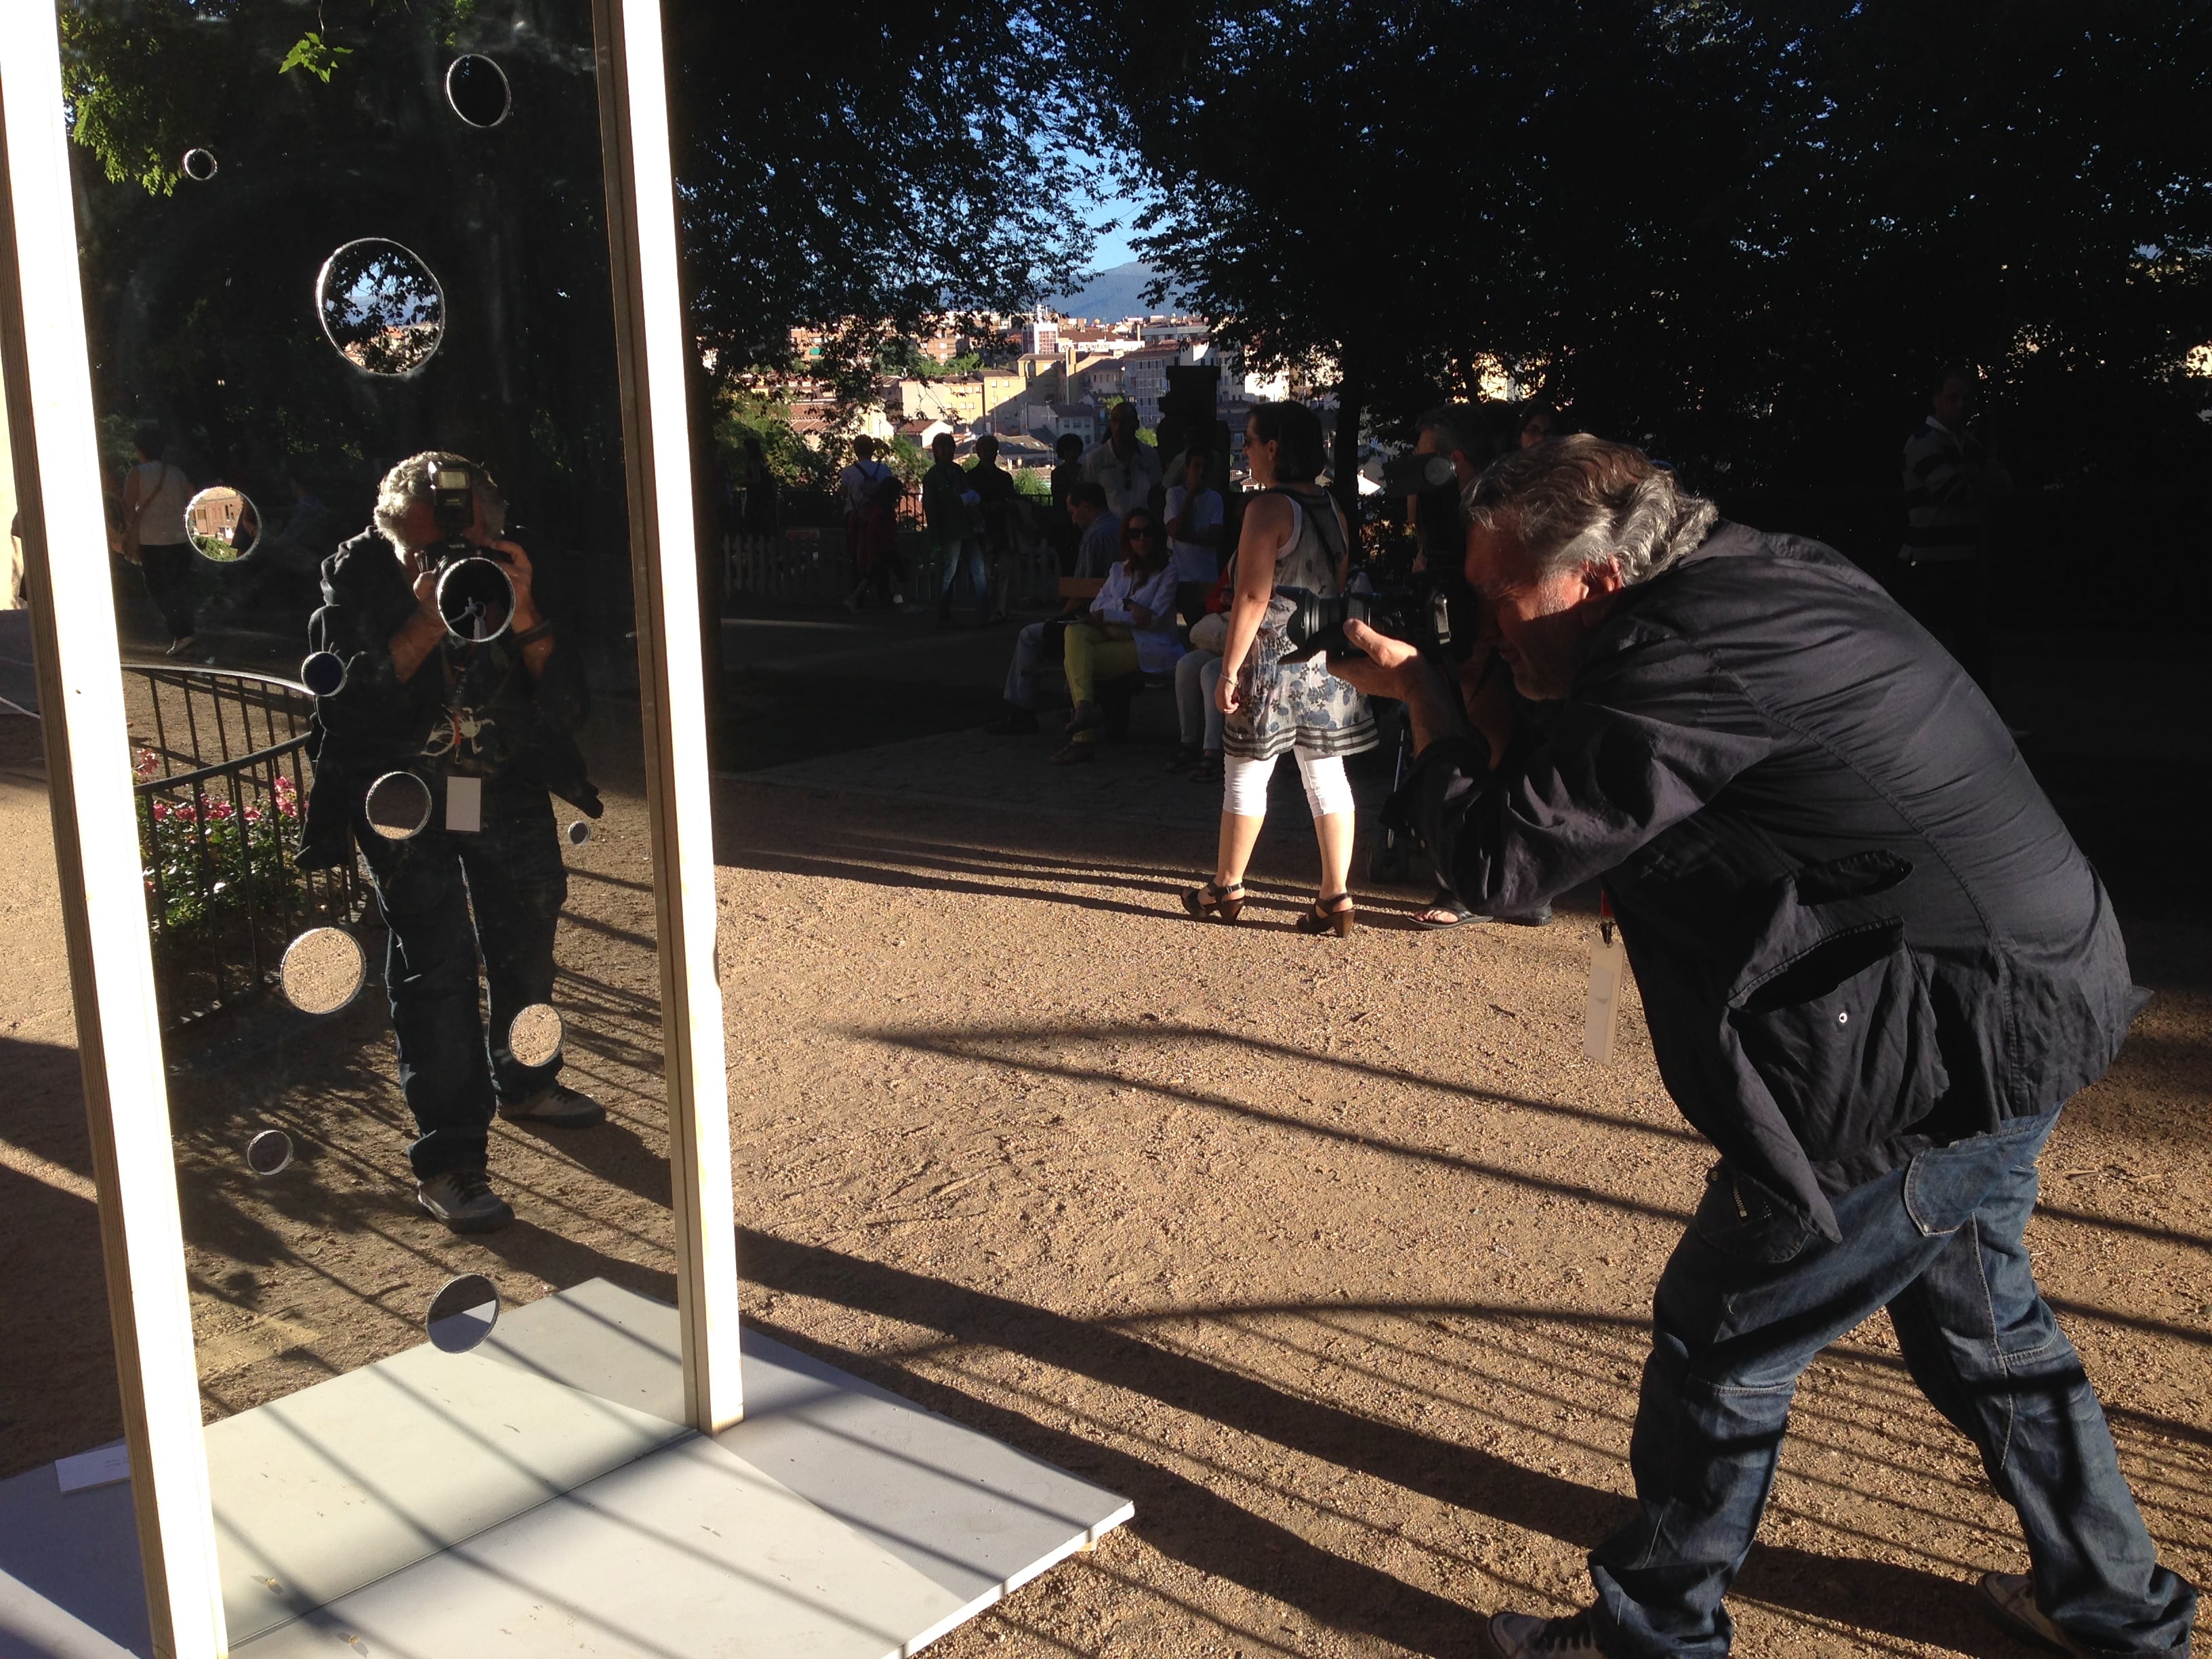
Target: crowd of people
(1169, 585)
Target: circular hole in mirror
(534, 1036)
(398, 806)
(380, 306)
(476, 598)
(269, 1152)
(477, 88)
(221, 524)
(324, 673)
(323, 970)
(463, 1313)
(198, 165)
(579, 832)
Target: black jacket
(379, 723)
(1858, 926)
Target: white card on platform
(102, 1468)
(1609, 968)
(465, 805)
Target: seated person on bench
(1097, 553)
(1130, 629)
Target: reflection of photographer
(453, 673)
(1874, 965)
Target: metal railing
(221, 795)
(807, 565)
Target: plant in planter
(209, 860)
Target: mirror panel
(356, 375)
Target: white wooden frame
(44, 367)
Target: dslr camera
(475, 596)
(1419, 614)
(453, 507)
(1410, 474)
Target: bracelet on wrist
(532, 635)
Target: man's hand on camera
(518, 572)
(1393, 668)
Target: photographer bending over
(1874, 966)
(497, 713)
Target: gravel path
(1334, 1255)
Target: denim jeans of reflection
(445, 896)
(1750, 1297)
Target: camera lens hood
(475, 596)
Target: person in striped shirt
(1948, 482)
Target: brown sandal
(1329, 915)
(1212, 901)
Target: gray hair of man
(1580, 502)
(410, 482)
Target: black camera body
(1420, 615)
(453, 507)
(1410, 474)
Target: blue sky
(1113, 248)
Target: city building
(1144, 373)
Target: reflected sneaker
(465, 1202)
(177, 647)
(557, 1105)
(1518, 1635)
(2012, 1596)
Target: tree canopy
(867, 170)
(1745, 234)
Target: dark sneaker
(557, 1106)
(2012, 1595)
(1517, 1636)
(1014, 723)
(1538, 917)
(465, 1202)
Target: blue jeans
(1037, 653)
(1751, 1296)
(510, 874)
(967, 551)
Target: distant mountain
(1116, 292)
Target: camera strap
(1608, 975)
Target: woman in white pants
(1294, 537)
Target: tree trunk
(1351, 393)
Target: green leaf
(315, 55)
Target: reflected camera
(453, 505)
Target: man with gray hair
(1874, 967)
(486, 726)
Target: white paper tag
(1608, 966)
(464, 806)
(102, 1467)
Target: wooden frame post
(651, 344)
(56, 460)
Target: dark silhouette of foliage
(1746, 236)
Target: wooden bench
(1080, 587)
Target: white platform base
(538, 1496)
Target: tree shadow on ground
(1191, 1523)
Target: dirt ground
(1334, 1255)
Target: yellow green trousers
(1095, 651)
